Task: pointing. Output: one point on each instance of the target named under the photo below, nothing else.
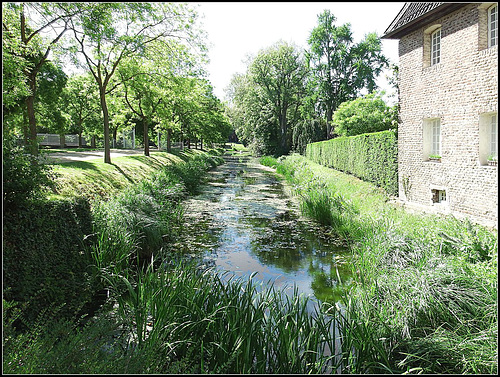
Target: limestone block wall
(458, 90)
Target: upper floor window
(436, 47)
(493, 26)
(431, 45)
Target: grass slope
(96, 179)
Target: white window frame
(488, 137)
(431, 138)
(493, 26)
(441, 196)
(494, 136)
(436, 137)
(436, 47)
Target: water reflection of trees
(287, 243)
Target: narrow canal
(245, 222)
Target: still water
(246, 222)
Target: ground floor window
(438, 196)
(432, 138)
(488, 138)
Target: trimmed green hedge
(45, 261)
(372, 157)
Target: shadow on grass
(153, 161)
(123, 173)
(186, 154)
(84, 165)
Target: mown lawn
(96, 179)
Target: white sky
(237, 29)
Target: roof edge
(430, 16)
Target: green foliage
(306, 132)
(134, 225)
(268, 161)
(181, 318)
(44, 259)
(342, 68)
(14, 81)
(81, 105)
(51, 81)
(24, 177)
(101, 24)
(28, 44)
(266, 100)
(364, 115)
(371, 157)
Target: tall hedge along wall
(371, 157)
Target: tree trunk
(105, 115)
(62, 141)
(169, 140)
(283, 127)
(146, 137)
(329, 115)
(79, 128)
(115, 132)
(30, 106)
(26, 129)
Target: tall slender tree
(342, 68)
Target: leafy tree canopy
(364, 115)
(342, 68)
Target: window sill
(489, 51)
(492, 166)
(432, 68)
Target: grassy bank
(425, 298)
(96, 179)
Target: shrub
(24, 177)
(371, 157)
(268, 161)
(364, 115)
(44, 259)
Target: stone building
(448, 95)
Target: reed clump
(425, 298)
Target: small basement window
(438, 196)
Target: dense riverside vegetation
(151, 313)
(425, 298)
